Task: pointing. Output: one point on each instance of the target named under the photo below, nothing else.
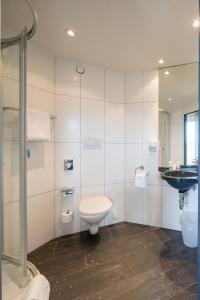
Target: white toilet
(93, 211)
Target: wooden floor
(124, 262)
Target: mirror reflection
(178, 115)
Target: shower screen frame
(20, 40)
(22, 260)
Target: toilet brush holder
(67, 216)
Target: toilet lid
(94, 205)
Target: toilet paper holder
(140, 168)
(67, 191)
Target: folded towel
(38, 125)
(38, 289)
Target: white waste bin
(189, 227)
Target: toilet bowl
(93, 211)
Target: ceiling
(118, 34)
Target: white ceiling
(119, 34)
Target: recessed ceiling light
(167, 72)
(70, 32)
(161, 61)
(195, 24)
(169, 99)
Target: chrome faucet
(195, 161)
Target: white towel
(38, 289)
(141, 179)
(38, 125)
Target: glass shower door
(13, 165)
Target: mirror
(178, 114)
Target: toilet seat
(94, 205)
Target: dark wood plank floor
(124, 262)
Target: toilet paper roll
(67, 216)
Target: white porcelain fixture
(93, 211)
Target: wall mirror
(178, 114)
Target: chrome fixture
(67, 191)
(80, 69)
(29, 34)
(52, 117)
(140, 168)
(195, 161)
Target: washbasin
(181, 180)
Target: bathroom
(99, 113)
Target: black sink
(181, 180)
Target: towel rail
(52, 117)
(141, 168)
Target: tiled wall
(141, 127)
(90, 105)
(40, 165)
(120, 110)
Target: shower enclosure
(15, 270)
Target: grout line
(80, 106)
(43, 193)
(41, 89)
(104, 78)
(54, 150)
(142, 150)
(124, 153)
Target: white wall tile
(92, 83)
(133, 159)
(92, 191)
(40, 168)
(92, 166)
(10, 62)
(152, 206)
(92, 119)
(133, 123)
(11, 218)
(114, 163)
(115, 192)
(10, 117)
(133, 204)
(114, 86)
(41, 100)
(170, 208)
(191, 200)
(133, 87)
(67, 178)
(11, 171)
(114, 122)
(40, 220)
(10, 91)
(40, 66)
(150, 122)
(11, 125)
(67, 80)
(150, 85)
(67, 122)
(70, 202)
